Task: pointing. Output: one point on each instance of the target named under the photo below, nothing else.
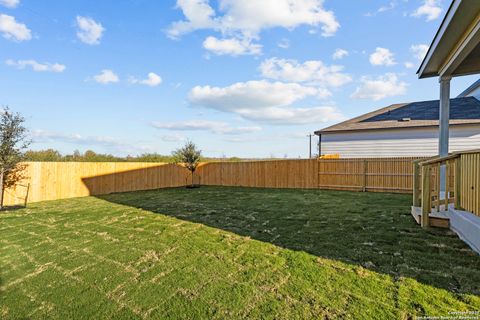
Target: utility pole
(310, 145)
(319, 145)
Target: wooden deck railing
(460, 187)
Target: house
(454, 51)
(405, 130)
(448, 186)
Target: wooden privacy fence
(262, 174)
(58, 180)
(373, 174)
(376, 174)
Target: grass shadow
(12, 208)
(373, 230)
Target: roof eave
(421, 72)
(318, 132)
(470, 89)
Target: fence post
(26, 196)
(364, 175)
(426, 196)
(416, 184)
(457, 182)
(318, 172)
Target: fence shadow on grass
(373, 230)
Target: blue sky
(238, 77)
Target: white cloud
(288, 116)
(419, 51)
(41, 135)
(10, 3)
(89, 31)
(431, 9)
(339, 54)
(312, 71)
(175, 137)
(152, 80)
(243, 139)
(380, 87)
(216, 127)
(109, 143)
(382, 57)
(198, 14)
(264, 101)
(249, 17)
(250, 94)
(296, 135)
(323, 93)
(390, 6)
(409, 65)
(11, 29)
(36, 66)
(232, 46)
(106, 76)
(284, 43)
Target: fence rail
(58, 180)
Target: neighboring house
(405, 130)
(472, 91)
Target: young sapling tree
(189, 156)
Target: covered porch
(447, 187)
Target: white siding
(475, 93)
(399, 142)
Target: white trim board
(467, 227)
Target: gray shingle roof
(464, 110)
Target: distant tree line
(51, 155)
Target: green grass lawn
(218, 252)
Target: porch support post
(444, 132)
(444, 115)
